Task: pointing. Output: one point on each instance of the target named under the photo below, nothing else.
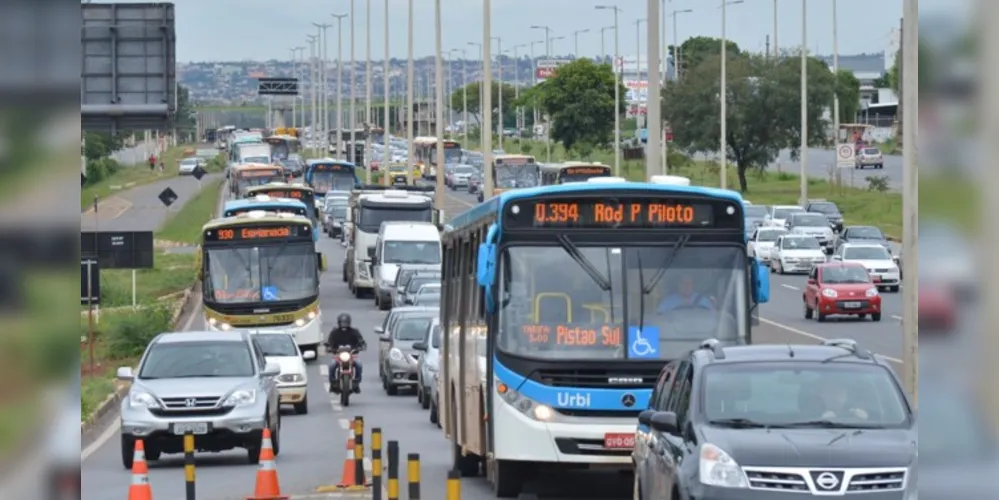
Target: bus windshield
(451, 155)
(324, 182)
(574, 175)
(239, 275)
(650, 302)
(516, 176)
(260, 180)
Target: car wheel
(302, 407)
(391, 390)
(780, 267)
(276, 437)
(153, 453)
(433, 414)
(876, 317)
(419, 394)
(894, 289)
(821, 317)
(425, 403)
(127, 451)
(808, 311)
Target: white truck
(367, 208)
(411, 244)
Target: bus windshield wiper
(680, 243)
(583, 262)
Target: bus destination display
(287, 193)
(603, 213)
(575, 335)
(451, 145)
(261, 172)
(587, 171)
(331, 167)
(247, 233)
(521, 160)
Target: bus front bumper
(575, 440)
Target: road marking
(895, 316)
(815, 337)
(790, 287)
(96, 445)
(344, 423)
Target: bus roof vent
(674, 180)
(395, 193)
(254, 214)
(262, 197)
(286, 215)
(606, 180)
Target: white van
(402, 243)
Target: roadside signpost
(846, 155)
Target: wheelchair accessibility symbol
(643, 343)
(269, 293)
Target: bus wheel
(506, 477)
(467, 465)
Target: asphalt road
(819, 161)
(313, 445)
(139, 208)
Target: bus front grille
(626, 378)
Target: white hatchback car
(761, 243)
(876, 259)
(187, 166)
(292, 383)
(779, 214)
(796, 253)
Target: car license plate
(851, 305)
(619, 440)
(876, 278)
(181, 428)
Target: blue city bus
(326, 174)
(296, 191)
(561, 305)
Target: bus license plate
(851, 305)
(619, 440)
(198, 428)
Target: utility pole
(516, 88)
(353, 100)
(487, 100)
(804, 104)
(313, 86)
(653, 107)
(776, 50)
(900, 131)
(835, 40)
(439, 108)
(464, 96)
(339, 85)
(909, 73)
(575, 42)
(367, 112)
(499, 90)
(410, 82)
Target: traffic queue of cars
(846, 267)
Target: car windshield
(845, 274)
(280, 345)
(338, 212)
(754, 211)
(866, 253)
(803, 394)
(872, 151)
(800, 243)
(769, 235)
(552, 306)
(865, 233)
(412, 252)
(267, 273)
(197, 359)
(428, 300)
(411, 329)
(416, 284)
(371, 217)
(809, 220)
(189, 161)
(428, 289)
(784, 213)
(464, 169)
(825, 208)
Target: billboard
(546, 68)
(638, 91)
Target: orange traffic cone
(140, 490)
(347, 479)
(267, 477)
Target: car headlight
(291, 377)
(894, 269)
(241, 398)
(533, 409)
(872, 292)
(717, 468)
(139, 399)
(829, 292)
(395, 354)
(343, 356)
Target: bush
(100, 169)
(132, 332)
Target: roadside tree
(764, 114)
(694, 50)
(457, 103)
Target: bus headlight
(543, 413)
(219, 325)
(300, 322)
(533, 409)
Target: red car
(841, 288)
(937, 310)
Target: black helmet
(343, 320)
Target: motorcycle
(344, 382)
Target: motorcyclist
(345, 335)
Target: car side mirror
(371, 253)
(125, 373)
(271, 370)
(309, 355)
(420, 346)
(665, 422)
(811, 281)
(645, 418)
(837, 257)
(379, 331)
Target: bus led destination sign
(579, 335)
(244, 233)
(638, 213)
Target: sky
(229, 30)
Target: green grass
(94, 390)
(171, 273)
(137, 174)
(184, 226)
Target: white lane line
(815, 337)
(344, 423)
(895, 316)
(790, 287)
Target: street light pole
(499, 89)
(386, 111)
(575, 41)
(481, 87)
(653, 102)
(410, 81)
(353, 101)
(723, 97)
(776, 51)
(487, 99)
(804, 103)
(323, 78)
(835, 30)
(516, 88)
(676, 46)
(313, 81)
(439, 108)
(464, 96)
(339, 86)
(910, 206)
(367, 113)
(603, 50)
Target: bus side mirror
(761, 282)
(486, 273)
(322, 261)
